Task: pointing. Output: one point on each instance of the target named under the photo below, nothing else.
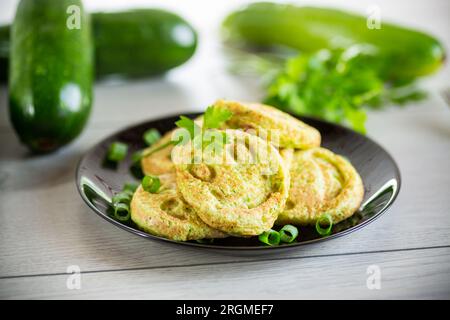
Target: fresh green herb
(121, 202)
(160, 147)
(151, 136)
(324, 220)
(288, 233)
(336, 85)
(130, 187)
(122, 211)
(136, 156)
(121, 197)
(326, 85)
(189, 125)
(215, 117)
(271, 237)
(117, 151)
(403, 95)
(151, 184)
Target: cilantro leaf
(215, 116)
(327, 85)
(189, 125)
(338, 86)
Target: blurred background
(203, 79)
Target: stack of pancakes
(254, 183)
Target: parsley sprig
(337, 85)
(213, 118)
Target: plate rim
(149, 236)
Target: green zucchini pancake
(321, 182)
(292, 133)
(166, 214)
(241, 195)
(160, 161)
(287, 155)
(228, 179)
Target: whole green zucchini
(133, 43)
(406, 53)
(51, 71)
(141, 42)
(4, 53)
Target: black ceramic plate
(97, 182)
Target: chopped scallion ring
(324, 220)
(288, 233)
(151, 184)
(122, 211)
(151, 136)
(271, 237)
(136, 157)
(130, 187)
(117, 151)
(122, 197)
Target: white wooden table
(45, 227)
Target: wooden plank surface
(406, 274)
(45, 226)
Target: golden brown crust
(167, 215)
(238, 198)
(321, 182)
(292, 133)
(159, 162)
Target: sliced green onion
(122, 197)
(136, 156)
(147, 153)
(129, 192)
(122, 211)
(117, 151)
(271, 237)
(324, 220)
(151, 184)
(131, 187)
(288, 233)
(151, 136)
